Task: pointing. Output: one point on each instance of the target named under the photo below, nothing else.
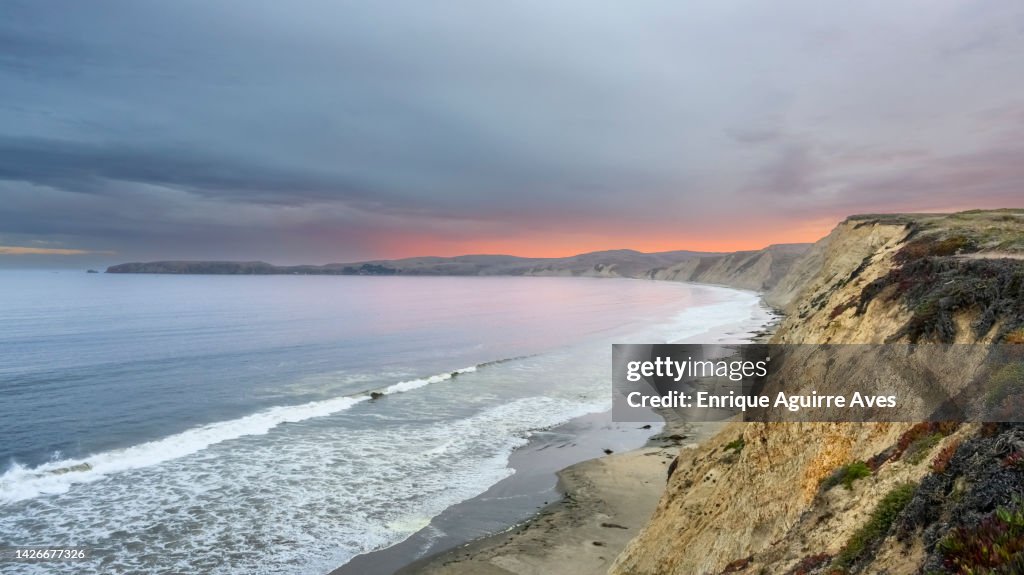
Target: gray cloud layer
(312, 130)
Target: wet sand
(577, 526)
(605, 504)
(533, 488)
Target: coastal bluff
(824, 498)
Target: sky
(314, 131)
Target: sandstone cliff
(936, 498)
(758, 270)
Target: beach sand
(606, 502)
(514, 500)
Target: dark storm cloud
(315, 130)
(90, 167)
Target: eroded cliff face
(770, 498)
(757, 270)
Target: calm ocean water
(219, 424)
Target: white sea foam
(20, 482)
(412, 384)
(738, 310)
(304, 511)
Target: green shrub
(1007, 381)
(735, 445)
(921, 448)
(877, 526)
(846, 475)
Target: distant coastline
(481, 264)
(756, 270)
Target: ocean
(224, 424)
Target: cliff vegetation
(837, 498)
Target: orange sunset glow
(553, 244)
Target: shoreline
(516, 499)
(605, 503)
(596, 508)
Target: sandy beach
(557, 467)
(606, 502)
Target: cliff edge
(802, 498)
